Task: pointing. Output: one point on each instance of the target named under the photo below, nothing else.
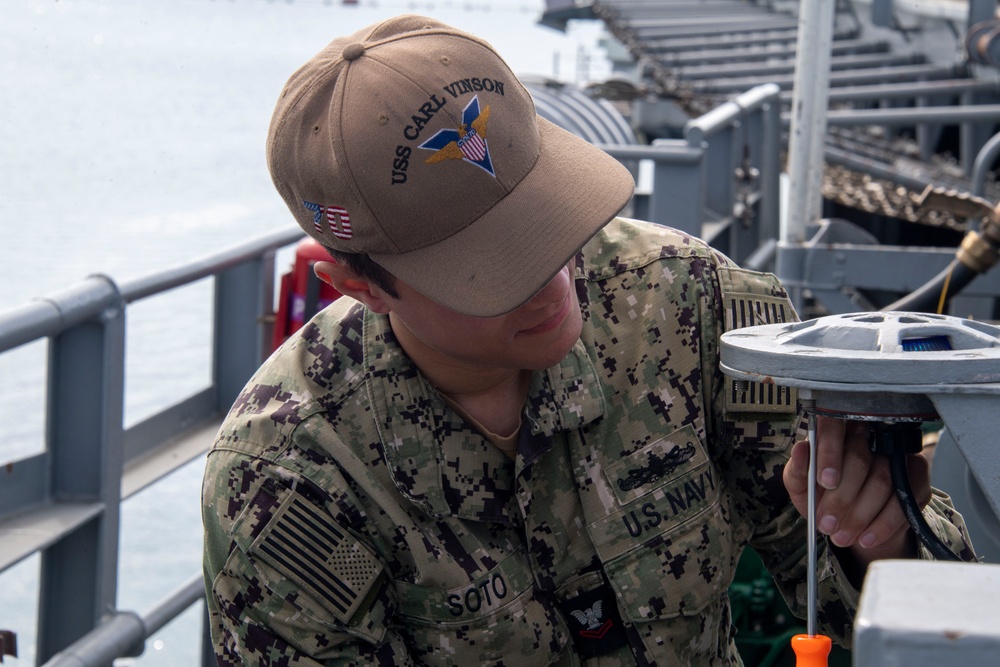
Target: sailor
(510, 442)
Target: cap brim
(509, 254)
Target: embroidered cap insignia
(467, 143)
(337, 218)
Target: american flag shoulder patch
(750, 299)
(303, 543)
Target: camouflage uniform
(353, 518)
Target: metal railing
(721, 181)
(65, 502)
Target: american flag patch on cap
(306, 545)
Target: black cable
(897, 440)
(927, 298)
(901, 485)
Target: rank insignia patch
(596, 627)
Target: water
(132, 139)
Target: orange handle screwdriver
(811, 650)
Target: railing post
(809, 108)
(678, 194)
(770, 167)
(208, 658)
(84, 437)
(241, 294)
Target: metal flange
(878, 349)
(884, 366)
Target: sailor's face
(534, 336)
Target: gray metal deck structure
(905, 77)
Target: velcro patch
(304, 544)
(747, 304)
(595, 623)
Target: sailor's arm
(286, 583)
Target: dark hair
(367, 268)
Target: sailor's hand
(855, 502)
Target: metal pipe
(161, 281)
(738, 52)
(728, 113)
(874, 168)
(707, 27)
(785, 36)
(852, 63)
(761, 258)
(811, 522)
(808, 125)
(58, 312)
(170, 607)
(674, 151)
(124, 634)
(770, 170)
(909, 90)
(913, 116)
(874, 76)
(985, 158)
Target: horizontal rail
(738, 51)
(57, 312)
(910, 90)
(786, 66)
(728, 113)
(64, 503)
(124, 633)
(874, 76)
(910, 116)
(668, 45)
(677, 152)
(161, 281)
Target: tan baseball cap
(413, 142)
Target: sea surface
(132, 140)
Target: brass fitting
(977, 253)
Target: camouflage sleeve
(949, 527)
(756, 427)
(286, 584)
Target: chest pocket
(496, 618)
(668, 549)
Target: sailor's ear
(347, 282)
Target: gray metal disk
(876, 348)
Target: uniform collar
(434, 457)
(565, 397)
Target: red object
(300, 293)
